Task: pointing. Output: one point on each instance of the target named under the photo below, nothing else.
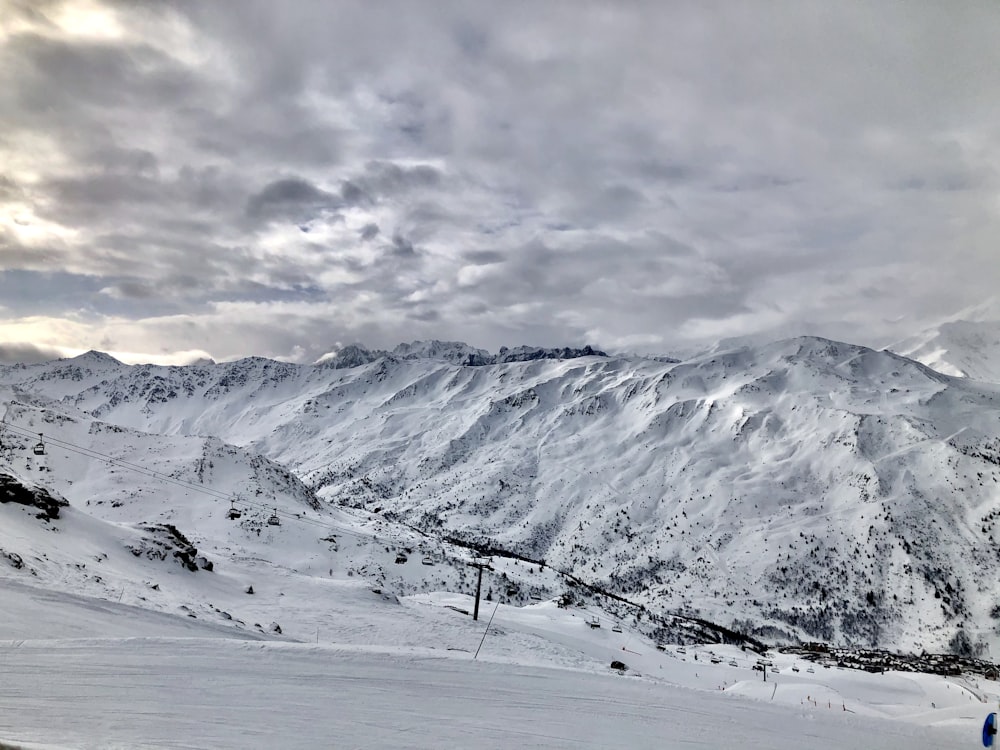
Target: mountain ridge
(805, 489)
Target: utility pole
(482, 563)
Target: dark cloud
(369, 231)
(353, 194)
(402, 247)
(291, 199)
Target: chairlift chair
(617, 628)
(274, 520)
(233, 513)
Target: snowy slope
(803, 489)
(141, 693)
(964, 348)
(128, 616)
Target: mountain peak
(961, 348)
(352, 355)
(529, 353)
(456, 352)
(94, 357)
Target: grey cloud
(426, 316)
(353, 194)
(134, 290)
(103, 190)
(128, 160)
(9, 190)
(58, 75)
(16, 255)
(386, 177)
(291, 199)
(424, 219)
(27, 353)
(243, 134)
(665, 170)
(381, 179)
(591, 168)
(757, 182)
(402, 247)
(483, 257)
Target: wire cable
(234, 498)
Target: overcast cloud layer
(224, 179)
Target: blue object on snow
(989, 730)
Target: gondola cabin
(274, 520)
(39, 449)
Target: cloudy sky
(181, 179)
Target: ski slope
(85, 673)
(168, 692)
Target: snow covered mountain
(805, 489)
(964, 348)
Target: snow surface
(342, 626)
(538, 682)
(805, 489)
(964, 348)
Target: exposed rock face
(165, 542)
(455, 352)
(531, 353)
(13, 491)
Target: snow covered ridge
(454, 352)
(803, 490)
(962, 348)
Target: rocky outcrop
(13, 491)
(165, 542)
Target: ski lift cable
(91, 453)
(215, 494)
(166, 478)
